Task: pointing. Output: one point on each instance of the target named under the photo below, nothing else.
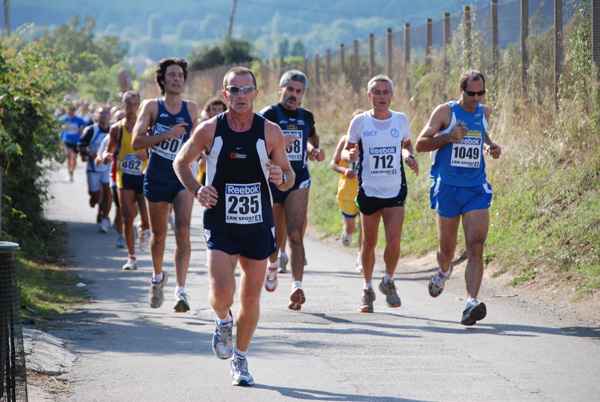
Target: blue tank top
(462, 163)
(160, 164)
(297, 153)
(236, 167)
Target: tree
(154, 26)
(86, 53)
(282, 46)
(298, 48)
(230, 51)
(32, 78)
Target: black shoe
(473, 314)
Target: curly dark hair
(161, 70)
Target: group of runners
(255, 189)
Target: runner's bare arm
(200, 140)
(337, 157)
(440, 118)
(280, 163)
(107, 155)
(147, 117)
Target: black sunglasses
(471, 93)
(235, 90)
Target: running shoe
(171, 221)
(346, 239)
(366, 304)
(130, 265)
(283, 260)
(222, 341)
(156, 291)
(391, 296)
(297, 299)
(473, 314)
(104, 225)
(70, 177)
(271, 279)
(358, 265)
(182, 303)
(240, 374)
(436, 284)
(143, 238)
(121, 241)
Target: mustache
(291, 97)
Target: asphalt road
(328, 351)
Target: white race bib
(132, 165)
(243, 204)
(295, 151)
(168, 149)
(467, 152)
(383, 161)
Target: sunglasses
(235, 90)
(471, 93)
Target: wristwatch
(284, 178)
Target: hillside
(157, 31)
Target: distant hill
(158, 28)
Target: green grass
(48, 290)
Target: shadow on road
(314, 395)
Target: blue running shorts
(449, 201)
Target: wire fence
(478, 38)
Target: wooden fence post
(356, 66)
(428, 43)
(389, 50)
(328, 66)
(524, 55)
(371, 55)
(595, 16)
(317, 76)
(447, 41)
(494, 21)
(342, 60)
(468, 34)
(558, 44)
(407, 56)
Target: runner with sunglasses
(302, 143)
(456, 135)
(244, 153)
(163, 126)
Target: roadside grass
(46, 289)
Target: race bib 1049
(467, 152)
(243, 204)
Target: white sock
(180, 289)
(368, 284)
(133, 256)
(274, 264)
(157, 278)
(296, 284)
(387, 277)
(240, 354)
(282, 254)
(472, 301)
(225, 320)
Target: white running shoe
(240, 374)
(104, 225)
(143, 239)
(436, 284)
(130, 265)
(271, 279)
(121, 241)
(283, 260)
(171, 221)
(156, 295)
(358, 265)
(182, 303)
(346, 239)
